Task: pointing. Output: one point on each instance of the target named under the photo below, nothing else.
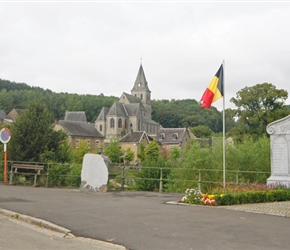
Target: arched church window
(112, 123)
(101, 128)
(120, 123)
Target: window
(120, 123)
(101, 128)
(162, 136)
(175, 136)
(112, 123)
(141, 97)
(97, 141)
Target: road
(143, 220)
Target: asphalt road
(143, 220)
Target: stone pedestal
(279, 132)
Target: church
(130, 114)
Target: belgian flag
(215, 89)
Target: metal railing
(68, 175)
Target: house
(133, 140)
(131, 113)
(174, 137)
(78, 129)
(4, 119)
(14, 113)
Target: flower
(194, 196)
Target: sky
(94, 47)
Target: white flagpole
(224, 129)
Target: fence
(128, 177)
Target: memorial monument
(279, 132)
(95, 173)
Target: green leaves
(258, 106)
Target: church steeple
(141, 88)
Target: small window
(162, 136)
(112, 123)
(101, 128)
(120, 123)
(97, 141)
(175, 136)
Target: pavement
(31, 218)
(281, 208)
(20, 231)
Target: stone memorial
(279, 132)
(95, 173)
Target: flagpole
(224, 129)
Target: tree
(33, 135)
(258, 106)
(201, 131)
(152, 151)
(113, 150)
(128, 155)
(78, 153)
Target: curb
(36, 221)
(102, 245)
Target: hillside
(170, 114)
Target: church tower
(142, 91)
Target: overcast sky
(96, 47)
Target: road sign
(5, 135)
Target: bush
(58, 174)
(253, 197)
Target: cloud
(93, 48)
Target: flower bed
(269, 194)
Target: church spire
(140, 83)
(142, 91)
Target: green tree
(152, 151)
(128, 155)
(141, 154)
(33, 135)
(258, 106)
(201, 131)
(148, 177)
(113, 150)
(78, 153)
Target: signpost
(5, 136)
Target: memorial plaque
(280, 156)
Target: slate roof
(3, 114)
(14, 113)
(77, 116)
(84, 129)
(149, 121)
(117, 109)
(103, 114)
(172, 135)
(140, 79)
(133, 100)
(133, 109)
(134, 137)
